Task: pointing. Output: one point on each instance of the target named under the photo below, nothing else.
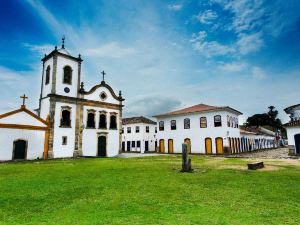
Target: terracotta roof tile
(199, 108)
(139, 119)
(292, 123)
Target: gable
(102, 93)
(22, 117)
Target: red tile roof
(292, 123)
(200, 108)
(140, 119)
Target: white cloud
(209, 48)
(175, 7)
(207, 16)
(233, 67)
(258, 73)
(250, 43)
(41, 49)
(110, 50)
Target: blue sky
(163, 55)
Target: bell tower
(60, 76)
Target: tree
(266, 119)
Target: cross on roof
(63, 42)
(24, 97)
(103, 74)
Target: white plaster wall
(90, 135)
(291, 132)
(142, 136)
(61, 63)
(196, 134)
(22, 118)
(35, 142)
(45, 108)
(60, 150)
(95, 96)
(47, 88)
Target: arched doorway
(161, 146)
(208, 146)
(297, 143)
(102, 146)
(170, 146)
(188, 142)
(20, 149)
(219, 145)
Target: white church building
(81, 122)
(206, 129)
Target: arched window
(228, 121)
(102, 122)
(47, 80)
(203, 122)
(67, 77)
(91, 120)
(217, 121)
(187, 123)
(236, 123)
(231, 122)
(65, 118)
(113, 122)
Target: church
(70, 121)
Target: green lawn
(147, 191)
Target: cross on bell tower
(63, 42)
(103, 74)
(24, 97)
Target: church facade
(79, 122)
(82, 123)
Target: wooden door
(161, 146)
(188, 142)
(170, 146)
(208, 146)
(102, 146)
(20, 147)
(219, 146)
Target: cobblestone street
(280, 153)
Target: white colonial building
(206, 129)
(81, 123)
(139, 135)
(293, 127)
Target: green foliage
(146, 191)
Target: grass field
(148, 191)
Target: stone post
(186, 161)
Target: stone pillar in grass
(186, 161)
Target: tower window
(64, 140)
(217, 121)
(47, 80)
(102, 123)
(91, 120)
(113, 122)
(65, 118)
(67, 77)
